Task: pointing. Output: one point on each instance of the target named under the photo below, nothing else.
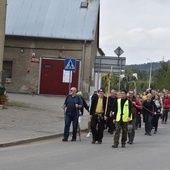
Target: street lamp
(150, 74)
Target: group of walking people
(121, 112)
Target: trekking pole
(79, 121)
(79, 129)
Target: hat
(102, 89)
(79, 93)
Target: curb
(27, 141)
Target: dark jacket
(84, 106)
(94, 104)
(149, 107)
(111, 105)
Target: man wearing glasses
(72, 104)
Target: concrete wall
(2, 30)
(19, 50)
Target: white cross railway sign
(104, 64)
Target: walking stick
(79, 121)
(108, 92)
(79, 129)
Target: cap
(102, 89)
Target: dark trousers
(155, 121)
(110, 124)
(148, 123)
(120, 126)
(138, 121)
(97, 127)
(68, 120)
(131, 135)
(165, 115)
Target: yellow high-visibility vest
(125, 111)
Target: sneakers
(89, 135)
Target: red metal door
(52, 77)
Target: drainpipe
(2, 33)
(82, 65)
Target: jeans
(68, 120)
(131, 135)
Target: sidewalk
(34, 117)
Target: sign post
(70, 65)
(119, 52)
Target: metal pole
(69, 82)
(119, 72)
(150, 74)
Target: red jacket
(166, 102)
(135, 102)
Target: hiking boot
(123, 145)
(73, 139)
(93, 141)
(130, 142)
(64, 140)
(114, 146)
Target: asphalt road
(147, 152)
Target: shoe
(73, 139)
(64, 140)
(114, 146)
(89, 135)
(155, 132)
(123, 146)
(93, 141)
(165, 123)
(130, 142)
(99, 142)
(146, 133)
(162, 122)
(149, 134)
(111, 133)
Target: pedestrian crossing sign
(70, 64)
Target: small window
(84, 5)
(7, 72)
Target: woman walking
(148, 110)
(156, 116)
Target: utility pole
(3, 4)
(150, 74)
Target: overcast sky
(140, 27)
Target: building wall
(2, 30)
(19, 50)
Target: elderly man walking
(72, 104)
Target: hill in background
(146, 66)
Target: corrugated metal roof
(52, 18)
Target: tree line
(160, 78)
